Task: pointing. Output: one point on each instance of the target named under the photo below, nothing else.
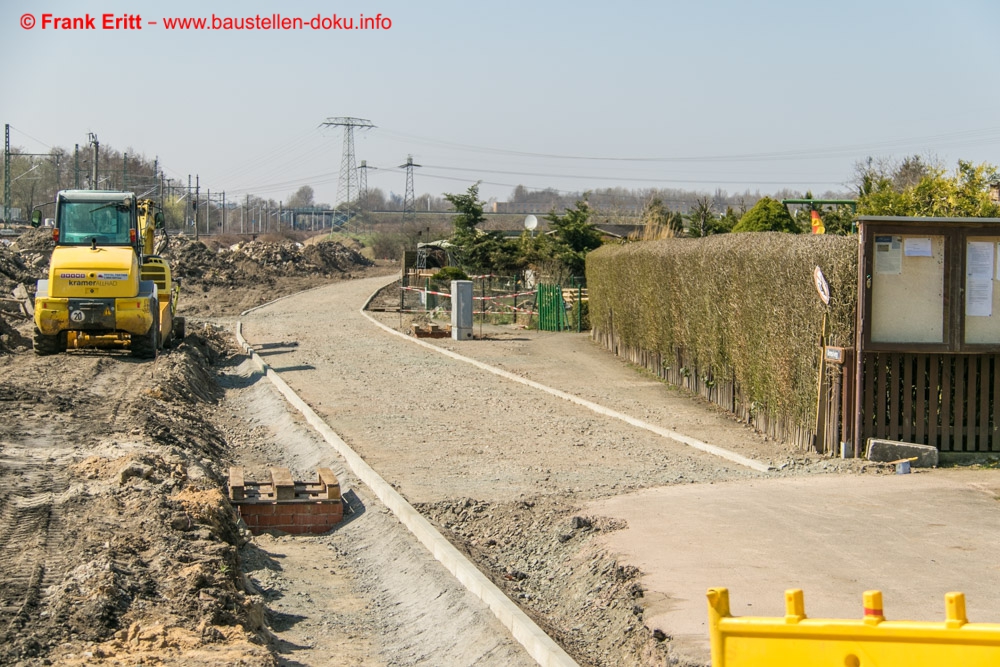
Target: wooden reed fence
(679, 371)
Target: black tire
(45, 345)
(145, 346)
(180, 330)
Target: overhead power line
(965, 137)
(629, 179)
(20, 131)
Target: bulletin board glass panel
(907, 289)
(982, 292)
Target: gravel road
(440, 429)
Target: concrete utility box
(461, 309)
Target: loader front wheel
(45, 345)
(144, 347)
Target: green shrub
(581, 312)
(742, 307)
(767, 215)
(449, 273)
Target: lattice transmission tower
(347, 185)
(409, 200)
(364, 206)
(363, 202)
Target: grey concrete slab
(914, 537)
(887, 451)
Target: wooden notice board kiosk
(928, 336)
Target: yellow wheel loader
(106, 287)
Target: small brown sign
(834, 355)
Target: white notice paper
(914, 247)
(979, 296)
(979, 259)
(888, 255)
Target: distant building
(617, 232)
(524, 207)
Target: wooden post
(819, 441)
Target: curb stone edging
(539, 645)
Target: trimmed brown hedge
(740, 308)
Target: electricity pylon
(409, 201)
(347, 185)
(363, 202)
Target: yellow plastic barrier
(798, 641)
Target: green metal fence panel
(551, 308)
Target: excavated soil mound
(10, 337)
(17, 267)
(217, 278)
(239, 265)
(256, 262)
(35, 241)
(118, 546)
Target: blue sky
(735, 95)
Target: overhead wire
(20, 131)
(266, 158)
(284, 157)
(620, 178)
(962, 137)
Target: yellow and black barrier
(797, 641)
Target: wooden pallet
(285, 504)
(431, 331)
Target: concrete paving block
(885, 451)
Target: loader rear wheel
(44, 345)
(144, 347)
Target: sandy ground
(117, 545)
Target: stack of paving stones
(299, 508)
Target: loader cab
(95, 218)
